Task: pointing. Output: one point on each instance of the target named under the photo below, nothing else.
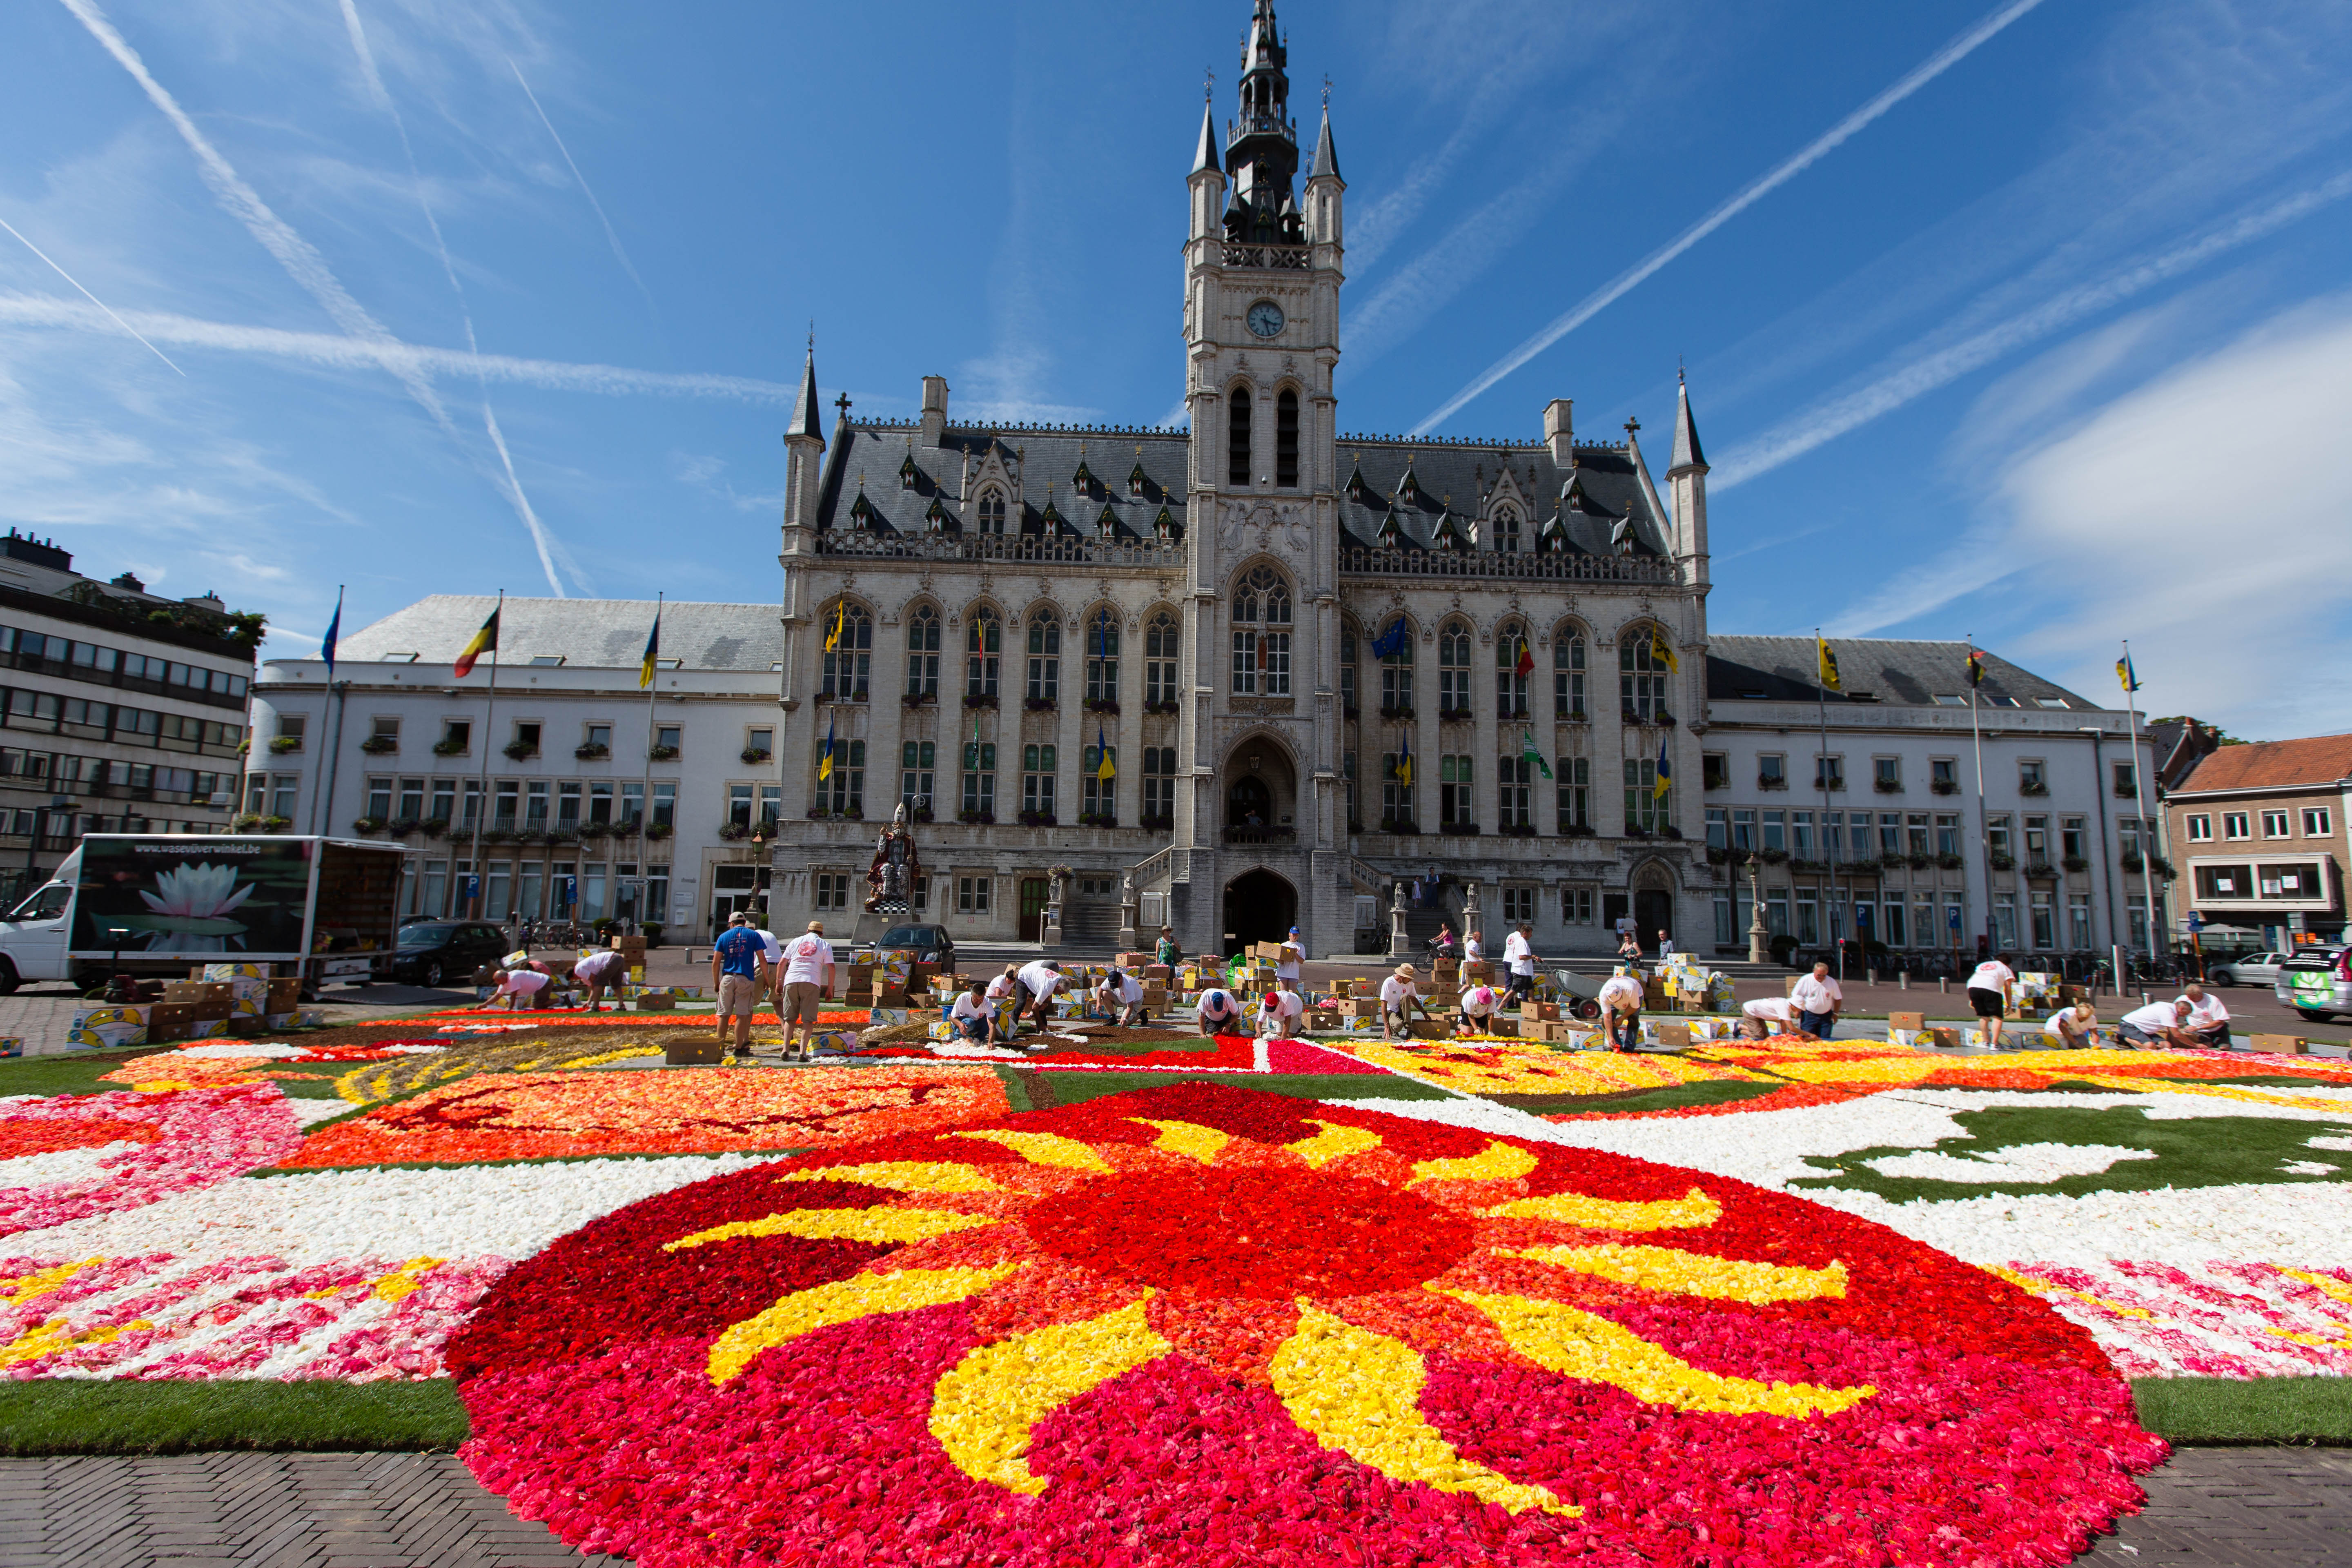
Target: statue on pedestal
(890, 879)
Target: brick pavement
(2208, 1507)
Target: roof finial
(841, 403)
(1209, 85)
(812, 334)
(1327, 94)
(1632, 425)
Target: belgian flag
(485, 641)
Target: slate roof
(2316, 760)
(597, 632)
(1604, 488)
(1893, 673)
(869, 460)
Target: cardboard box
(1549, 1033)
(1133, 960)
(656, 1002)
(1915, 1022)
(197, 991)
(169, 1021)
(207, 1028)
(278, 1022)
(2286, 1044)
(1674, 1037)
(101, 1027)
(892, 996)
(1428, 1029)
(1159, 972)
(1945, 1037)
(1478, 969)
(285, 995)
(232, 971)
(691, 1050)
(1541, 1011)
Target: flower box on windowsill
(434, 827)
(2034, 787)
(594, 751)
(1579, 830)
(1574, 716)
(596, 832)
(1097, 819)
(275, 824)
(1454, 715)
(1103, 705)
(380, 745)
(1771, 781)
(562, 835)
(521, 751)
(449, 748)
(1157, 824)
(982, 817)
(734, 831)
(1717, 854)
(1835, 785)
(2163, 868)
(1518, 716)
(660, 830)
(1401, 711)
(1887, 786)
(2002, 862)
(405, 827)
(1459, 829)
(919, 699)
(1921, 862)
(367, 827)
(820, 814)
(1634, 831)
(1664, 719)
(663, 754)
(2042, 871)
(1038, 819)
(2076, 863)
(496, 835)
(1400, 824)
(920, 814)
(979, 698)
(285, 743)
(1946, 786)
(1524, 830)
(1168, 707)
(755, 753)
(1773, 857)
(1670, 831)
(1038, 705)
(1949, 862)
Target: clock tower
(1260, 730)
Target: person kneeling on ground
(971, 1014)
(1397, 999)
(735, 963)
(514, 987)
(1620, 1011)
(2072, 1029)
(1478, 1005)
(1278, 1012)
(1817, 1000)
(602, 972)
(2207, 1019)
(1120, 997)
(1219, 1010)
(2159, 1024)
(1988, 995)
(1004, 1001)
(1767, 1016)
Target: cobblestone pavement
(2208, 1507)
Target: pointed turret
(1262, 152)
(1326, 165)
(804, 446)
(808, 417)
(1686, 451)
(1686, 485)
(1204, 157)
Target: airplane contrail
(610, 233)
(86, 294)
(1927, 70)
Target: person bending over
(517, 988)
(1988, 995)
(1120, 997)
(2158, 1026)
(1278, 1012)
(1220, 1012)
(2074, 1029)
(1767, 1016)
(1620, 1011)
(1399, 999)
(1478, 1005)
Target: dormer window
(1391, 530)
(1135, 478)
(1164, 525)
(861, 511)
(992, 510)
(1506, 529)
(937, 517)
(907, 472)
(1082, 483)
(1050, 521)
(1106, 522)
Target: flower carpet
(1146, 1297)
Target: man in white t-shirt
(1278, 1012)
(2207, 1019)
(517, 988)
(1041, 982)
(1397, 999)
(1818, 1000)
(1520, 952)
(601, 972)
(1004, 1000)
(970, 1013)
(1120, 997)
(1219, 1010)
(1767, 1016)
(1988, 995)
(2158, 1025)
(807, 961)
(1620, 1011)
(1472, 949)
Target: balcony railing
(1072, 550)
(1549, 567)
(1271, 258)
(1260, 834)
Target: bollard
(1873, 973)
(2143, 997)
(1902, 981)
(1943, 985)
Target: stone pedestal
(1129, 938)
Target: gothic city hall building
(1256, 674)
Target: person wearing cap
(1279, 1010)
(1120, 996)
(1478, 1005)
(1040, 983)
(1397, 999)
(1286, 966)
(806, 981)
(1620, 1011)
(735, 960)
(601, 972)
(1218, 1010)
(1165, 950)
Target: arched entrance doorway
(1259, 907)
(1653, 907)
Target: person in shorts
(1038, 985)
(801, 988)
(735, 960)
(1120, 997)
(1620, 1011)
(1520, 952)
(1989, 995)
(1478, 1005)
(1219, 1010)
(602, 973)
(2158, 1026)
(1399, 997)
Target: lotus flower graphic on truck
(191, 905)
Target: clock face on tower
(1265, 317)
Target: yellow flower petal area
(1495, 1163)
(402, 1282)
(17, 1288)
(890, 1226)
(1692, 1273)
(1189, 1139)
(1360, 1393)
(844, 1301)
(1692, 1210)
(2132, 1083)
(53, 1336)
(903, 1176)
(1336, 1142)
(2033, 1287)
(985, 1406)
(1579, 1344)
(2319, 1282)
(1042, 1148)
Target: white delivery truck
(324, 908)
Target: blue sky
(2029, 320)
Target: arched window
(1642, 673)
(1237, 439)
(1262, 634)
(1514, 662)
(1506, 529)
(1285, 439)
(1396, 675)
(848, 653)
(923, 653)
(1568, 673)
(1453, 671)
(992, 510)
(983, 642)
(1349, 698)
(1044, 660)
(1102, 662)
(1161, 641)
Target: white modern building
(567, 790)
(124, 709)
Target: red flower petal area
(1291, 1260)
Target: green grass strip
(70, 1072)
(2235, 1412)
(85, 1416)
(1052, 1089)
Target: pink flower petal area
(1942, 1416)
(201, 1136)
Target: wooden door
(1035, 893)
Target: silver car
(2317, 982)
(2246, 969)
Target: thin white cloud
(586, 190)
(1827, 421)
(86, 294)
(1942, 61)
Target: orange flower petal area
(1200, 1325)
(526, 1116)
(54, 1137)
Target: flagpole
(482, 799)
(1822, 778)
(325, 808)
(1984, 824)
(2139, 805)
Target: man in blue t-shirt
(735, 962)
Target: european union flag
(1390, 641)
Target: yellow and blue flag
(1103, 769)
(1665, 772)
(2125, 673)
(1660, 652)
(1404, 755)
(652, 660)
(824, 753)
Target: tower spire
(1204, 157)
(808, 418)
(1262, 152)
(1686, 448)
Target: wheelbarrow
(1579, 997)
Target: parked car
(2317, 982)
(2246, 969)
(931, 944)
(434, 953)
